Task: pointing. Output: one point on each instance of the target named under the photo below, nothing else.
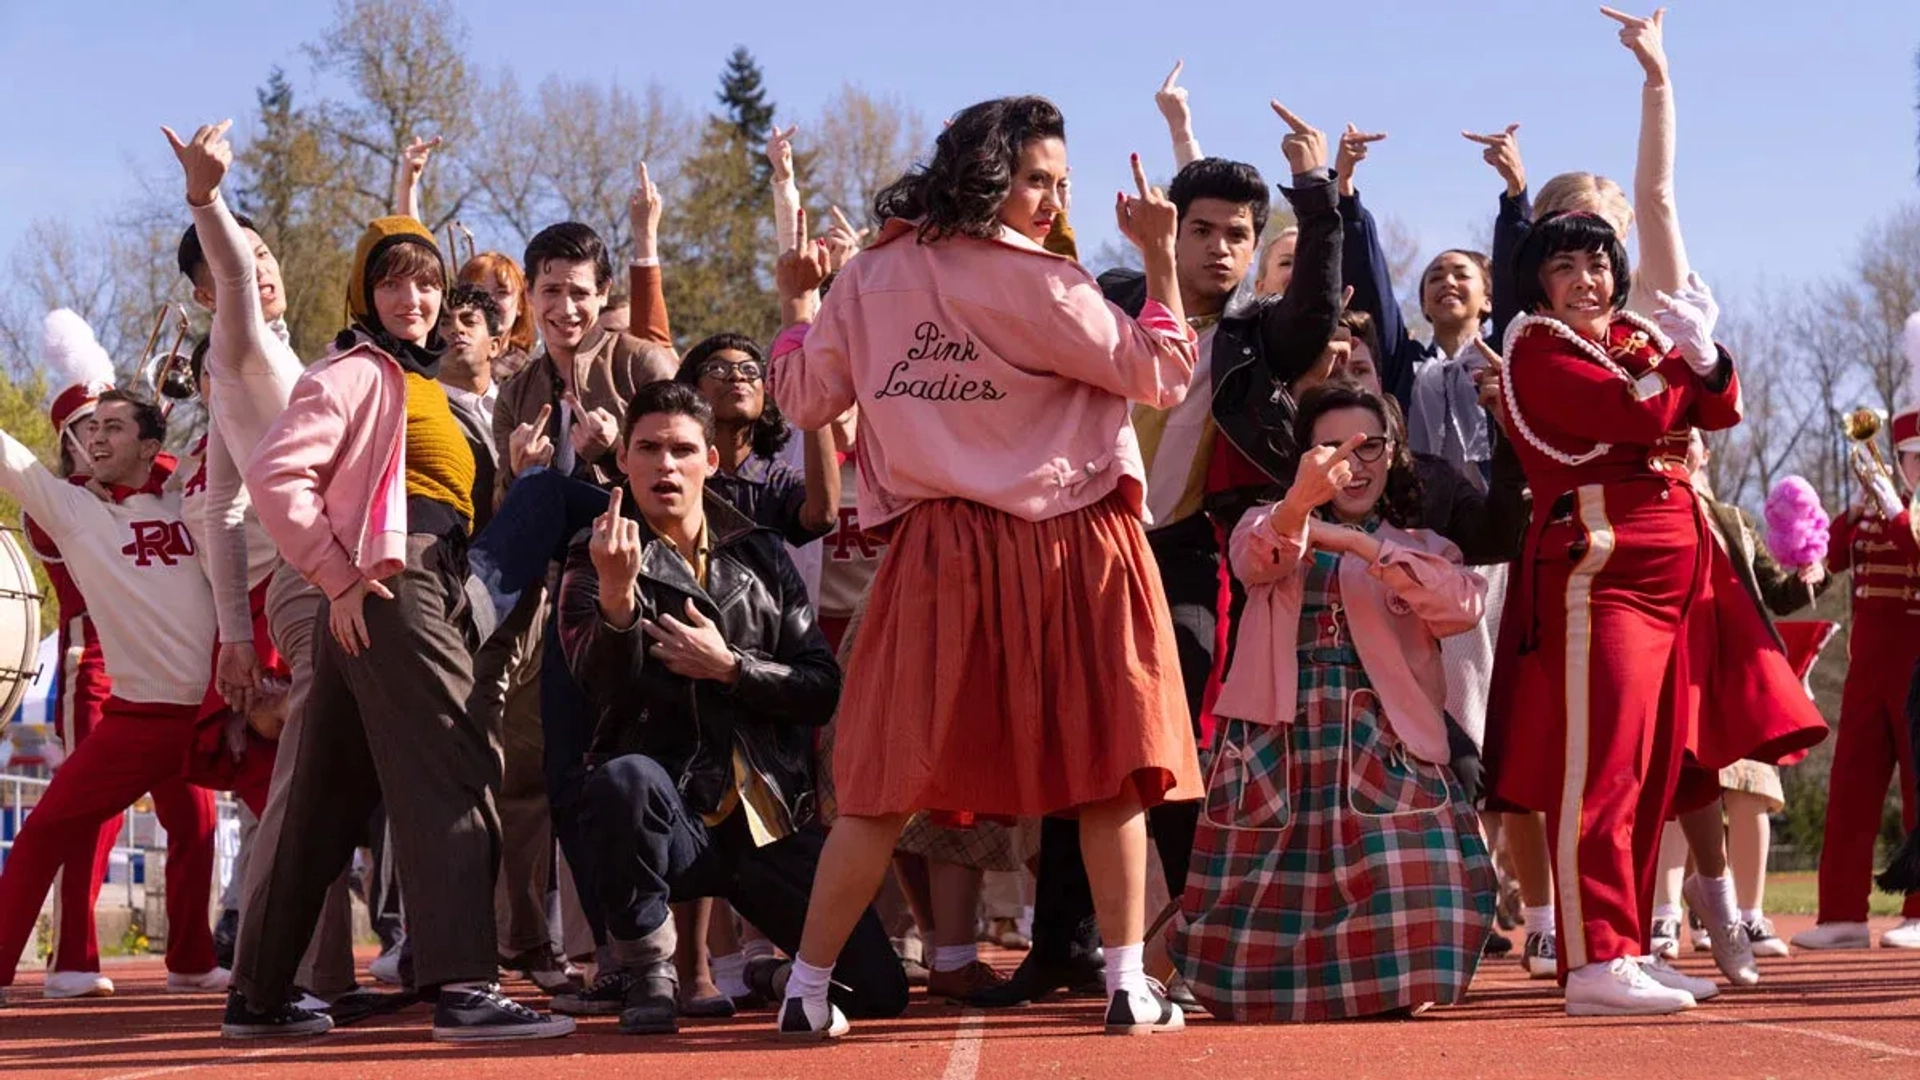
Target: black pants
(1063, 917)
(650, 851)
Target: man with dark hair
(1207, 459)
(693, 636)
(251, 368)
(131, 551)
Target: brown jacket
(607, 371)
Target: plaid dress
(1334, 875)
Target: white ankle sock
(1539, 920)
(1718, 895)
(1667, 911)
(809, 983)
(954, 957)
(1126, 968)
(1751, 915)
(730, 975)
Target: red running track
(1854, 1014)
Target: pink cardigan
(329, 477)
(1397, 609)
(986, 370)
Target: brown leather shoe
(954, 986)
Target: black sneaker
(1131, 1012)
(226, 934)
(1498, 944)
(1540, 956)
(606, 997)
(284, 1021)
(487, 1015)
(653, 1002)
(1039, 976)
(797, 1022)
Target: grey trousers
(506, 698)
(327, 966)
(392, 725)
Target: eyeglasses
(726, 371)
(1369, 451)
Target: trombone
(457, 231)
(1862, 428)
(173, 375)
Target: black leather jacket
(1265, 342)
(789, 681)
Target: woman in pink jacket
(365, 483)
(1018, 654)
(1339, 869)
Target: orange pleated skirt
(1008, 668)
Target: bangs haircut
(409, 260)
(1558, 234)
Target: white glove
(1688, 316)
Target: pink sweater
(329, 477)
(1397, 608)
(986, 370)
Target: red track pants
(1871, 742)
(136, 749)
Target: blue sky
(1797, 123)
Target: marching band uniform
(1881, 653)
(1593, 717)
(134, 547)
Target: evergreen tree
(744, 96)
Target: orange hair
(493, 264)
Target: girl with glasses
(1332, 820)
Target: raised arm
(1663, 257)
(786, 193)
(406, 177)
(224, 534)
(1172, 100)
(1294, 330)
(1501, 151)
(1363, 265)
(646, 288)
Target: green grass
(1798, 894)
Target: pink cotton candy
(1796, 523)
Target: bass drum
(19, 625)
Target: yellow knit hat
(381, 234)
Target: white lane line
(964, 1062)
(1825, 1036)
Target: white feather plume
(74, 357)
(1910, 344)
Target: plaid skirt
(1334, 875)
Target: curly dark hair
(463, 296)
(960, 191)
(771, 432)
(1400, 504)
(1556, 233)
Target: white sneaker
(799, 1023)
(1834, 935)
(386, 967)
(1674, 979)
(1904, 936)
(1132, 1012)
(1621, 988)
(1539, 957)
(1732, 948)
(207, 982)
(1765, 941)
(77, 984)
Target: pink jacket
(1397, 610)
(329, 477)
(986, 370)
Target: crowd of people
(1195, 628)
